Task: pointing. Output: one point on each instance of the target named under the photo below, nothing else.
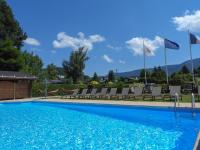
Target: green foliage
(38, 88)
(32, 64)
(69, 81)
(94, 83)
(9, 27)
(10, 58)
(111, 76)
(76, 64)
(110, 84)
(180, 78)
(52, 72)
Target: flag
(170, 44)
(194, 39)
(147, 51)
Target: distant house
(56, 81)
(14, 85)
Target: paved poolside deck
(111, 102)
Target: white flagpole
(145, 75)
(166, 70)
(191, 60)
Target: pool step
(197, 143)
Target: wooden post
(30, 88)
(14, 90)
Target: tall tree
(52, 72)
(158, 74)
(10, 57)
(76, 64)
(95, 77)
(9, 26)
(32, 64)
(111, 75)
(185, 70)
(142, 74)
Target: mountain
(171, 68)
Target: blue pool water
(57, 126)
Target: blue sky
(112, 30)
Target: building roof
(12, 75)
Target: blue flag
(194, 39)
(170, 44)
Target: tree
(181, 78)
(95, 77)
(32, 64)
(158, 75)
(10, 58)
(111, 76)
(76, 64)
(9, 27)
(52, 72)
(185, 70)
(142, 74)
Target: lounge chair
(112, 93)
(124, 93)
(92, 93)
(53, 93)
(173, 90)
(102, 93)
(137, 92)
(155, 92)
(83, 93)
(73, 95)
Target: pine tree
(95, 77)
(111, 76)
(185, 70)
(9, 26)
(10, 57)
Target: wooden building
(15, 85)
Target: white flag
(147, 51)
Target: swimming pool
(61, 126)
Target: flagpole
(166, 70)
(191, 60)
(145, 75)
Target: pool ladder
(193, 105)
(176, 103)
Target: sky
(112, 30)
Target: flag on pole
(194, 39)
(171, 45)
(147, 51)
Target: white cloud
(107, 58)
(189, 21)
(32, 41)
(113, 47)
(136, 44)
(64, 40)
(122, 61)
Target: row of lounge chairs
(126, 93)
